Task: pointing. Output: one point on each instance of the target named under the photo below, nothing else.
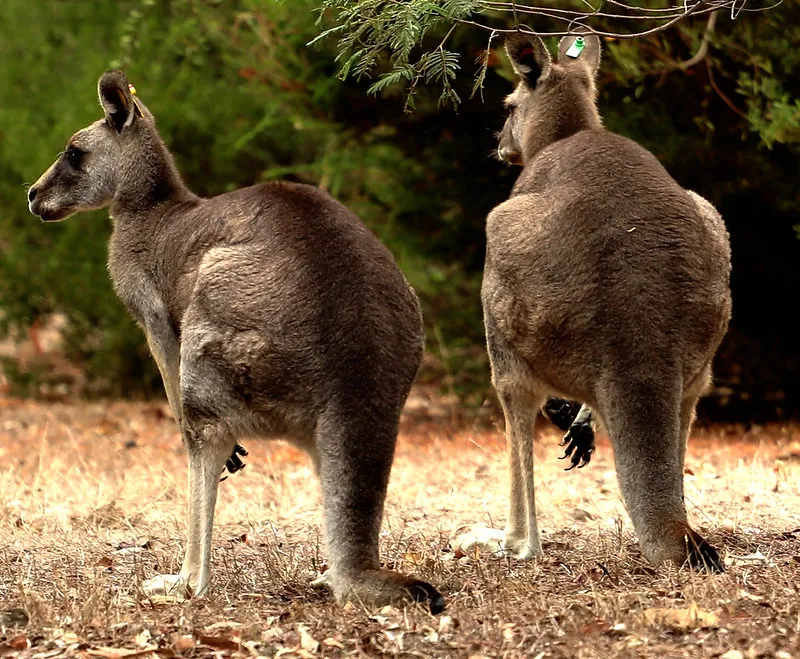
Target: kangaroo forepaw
(235, 463)
(579, 445)
(561, 413)
(701, 555)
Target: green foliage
(366, 29)
(240, 97)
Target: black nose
(32, 194)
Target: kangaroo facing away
(271, 311)
(607, 283)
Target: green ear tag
(576, 48)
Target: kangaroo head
(100, 160)
(553, 100)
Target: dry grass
(92, 503)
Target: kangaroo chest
(133, 274)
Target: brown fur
(271, 311)
(605, 282)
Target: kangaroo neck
(149, 184)
(573, 112)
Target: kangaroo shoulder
(712, 220)
(518, 211)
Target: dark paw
(579, 445)
(235, 463)
(702, 556)
(422, 591)
(561, 413)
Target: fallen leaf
(756, 558)
(691, 617)
(223, 625)
(120, 653)
(272, 634)
(594, 627)
(413, 558)
(183, 643)
(473, 540)
(67, 638)
(143, 638)
(732, 654)
(164, 600)
(447, 625)
(307, 641)
(217, 642)
(20, 642)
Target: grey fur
(271, 311)
(605, 282)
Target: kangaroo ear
(528, 56)
(583, 49)
(116, 100)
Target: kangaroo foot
(493, 542)
(381, 587)
(168, 585)
(579, 445)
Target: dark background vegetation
(239, 98)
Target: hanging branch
(367, 29)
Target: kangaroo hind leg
(354, 458)
(647, 424)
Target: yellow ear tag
(132, 90)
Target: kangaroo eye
(74, 156)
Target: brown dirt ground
(92, 503)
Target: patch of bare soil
(92, 503)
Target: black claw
(421, 591)
(702, 556)
(235, 463)
(579, 445)
(561, 413)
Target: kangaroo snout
(511, 156)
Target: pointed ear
(116, 100)
(583, 49)
(528, 56)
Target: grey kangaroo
(271, 311)
(607, 283)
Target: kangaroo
(607, 283)
(271, 311)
